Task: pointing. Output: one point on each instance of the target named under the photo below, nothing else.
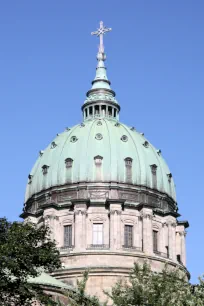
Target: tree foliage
(146, 288)
(24, 251)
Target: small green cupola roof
(101, 101)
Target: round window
(73, 139)
(99, 136)
(124, 138)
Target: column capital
(145, 215)
(182, 234)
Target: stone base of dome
(107, 267)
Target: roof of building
(71, 156)
(113, 142)
(45, 279)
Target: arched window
(128, 170)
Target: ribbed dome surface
(104, 138)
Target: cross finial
(100, 32)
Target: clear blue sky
(155, 60)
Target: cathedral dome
(106, 193)
(101, 149)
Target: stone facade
(114, 208)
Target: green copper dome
(101, 149)
(71, 158)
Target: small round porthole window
(124, 138)
(99, 136)
(73, 139)
(99, 123)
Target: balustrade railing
(165, 255)
(98, 247)
(132, 248)
(66, 248)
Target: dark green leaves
(24, 251)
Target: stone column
(172, 240)
(80, 226)
(147, 230)
(106, 111)
(164, 239)
(178, 244)
(100, 111)
(183, 248)
(137, 234)
(115, 226)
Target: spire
(101, 79)
(101, 100)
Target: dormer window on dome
(154, 175)
(45, 169)
(68, 162)
(128, 170)
(98, 169)
(128, 161)
(30, 178)
(169, 175)
(98, 160)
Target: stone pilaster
(172, 239)
(137, 238)
(146, 215)
(162, 239)
(50, 222)
(115, 226)
(178, 243)
(183, 247)
(80, 212)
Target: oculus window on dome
(124, 138)
(53, 145)
(73, 139)
(99, 136)
(146, 144)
